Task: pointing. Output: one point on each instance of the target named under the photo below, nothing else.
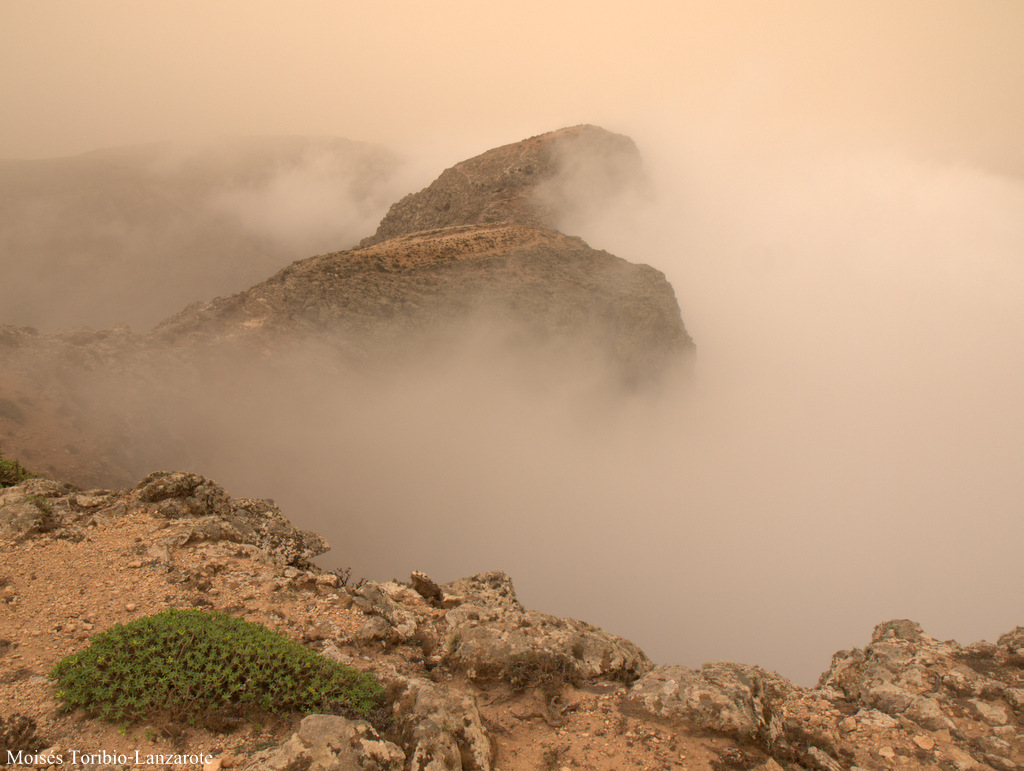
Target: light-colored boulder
(490, 637)
(735, 699)
(442, 730)
(333, 743)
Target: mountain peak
(531, 182)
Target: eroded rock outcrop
(742, 701)
(906, 700)
(334, 743)
(491, 637)
(440, 729)
(44, 506)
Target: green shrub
(12, 473)
(198, 666)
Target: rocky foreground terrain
(475, 681)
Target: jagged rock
(927, 713)
(431, 591)
(490, 637)
(899, 629)
(888, 698)
(993, 714)
(218, 517)
(964, 681)
(441, 730)
(371, 598)
(1015, 698)
(529, 182)
(492, 589)
(956, 691)
(42, 505)
(821, 760)
(872, 718)
(377, 629)
(35, 488)
(36, 506)
(426, 586)
(179, 494)
(1013, 641)
(333, 743)
(24, 518)
(741, 701)
(993, 745)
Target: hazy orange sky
(944, 78)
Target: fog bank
(847, 451)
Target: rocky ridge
(531, 183)
(475, 681)
(472, 266)
(478, 246)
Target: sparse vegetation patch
(207, 668)
(12, 472)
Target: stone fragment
(440, 729)
(889, 698)
(423, 584)
(377, 629)
(993, 714)
(490, 637)
(333, 743)
(1013, 641)
(960, 760)
(924, 742)
(872, 718)
(822, 760)
(1015, 698)
(371, 598)
(1000, 763)
(928, 713)
(993, 745)
(734, 699)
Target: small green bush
(12, 473)
(198, 666)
